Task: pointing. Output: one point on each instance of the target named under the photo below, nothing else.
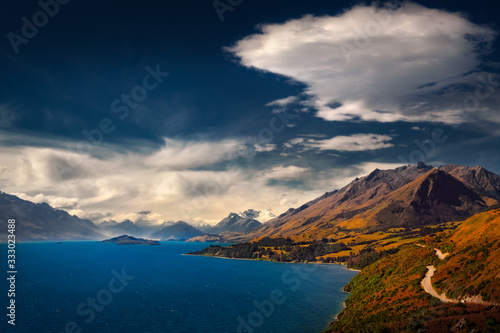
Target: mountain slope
(234, 223)
(387, 296)
(485, 182)
(37, 222)
(433, 198)
(473, 268)
(179, 231)
(409, 196)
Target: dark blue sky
(64, 80)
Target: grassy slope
(387, 295)
(473, 267)
(385, 292)
(329, 216)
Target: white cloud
(355, 142)
(418, 128)
(150, 219)
(283, 101)
(52, 200)
(265, 148)
(375, 64)
(296, 141)
(119, 186)
(200, 221)
(170, 182)
(119, 183)
(180, 154)
(288, 200)
(286, 173)
(340, 177)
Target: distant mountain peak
(422, 165)
(242, 222)
(180, 231)
(372, 174)
(261, 216)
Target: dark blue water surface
(165, 291)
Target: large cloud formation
(399, 63)
(180, 180)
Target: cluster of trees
(274, 242)
(284, 250)
(243, 251)
(366, 257)
(276, 249)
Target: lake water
(97, 287)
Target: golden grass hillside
(387, 296)
(473, 267)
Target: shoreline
(278, 262)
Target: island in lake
(129, 240)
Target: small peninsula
(129, 240)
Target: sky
(188, 110)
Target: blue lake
(97, 287)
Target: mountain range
(234, 223)
(179, 231)
(405, 197)
(40, 222)
(126, 227)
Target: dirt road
(426, 284)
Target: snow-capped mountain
(261, 216)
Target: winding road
(427, 285)
(440, 254)
(426, 282)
